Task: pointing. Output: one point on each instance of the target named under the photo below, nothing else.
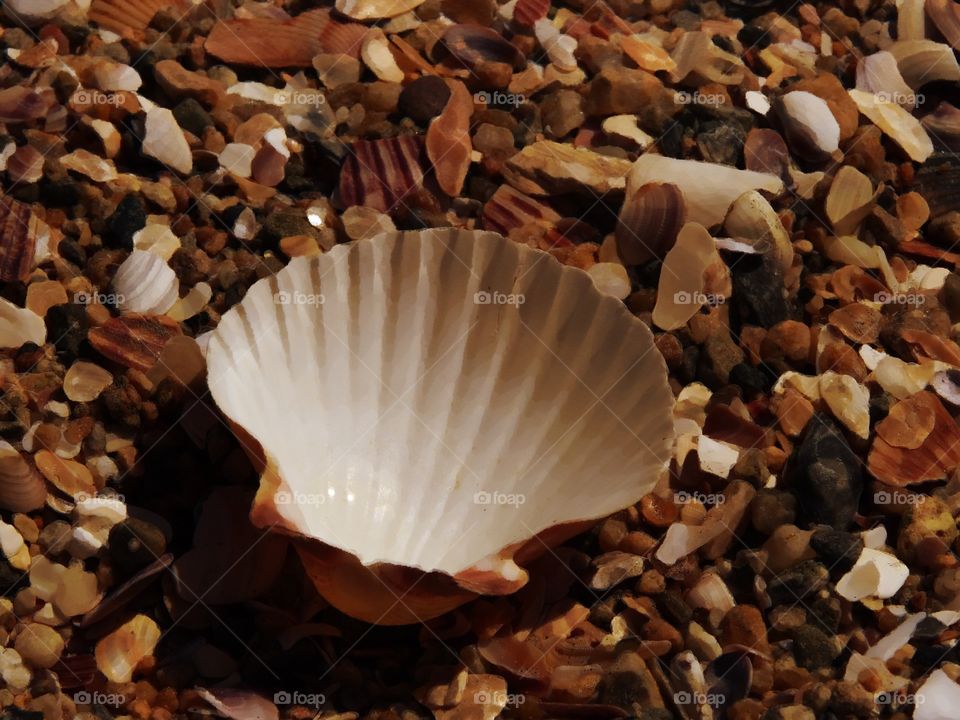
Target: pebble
(562, 113)
(838, 549)
(129, 217)
(424, 98)
(624, 91)
(39, 645)
(744, 625)
(825, 475)
(135, 543)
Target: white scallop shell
(145, 283)
(431, 398)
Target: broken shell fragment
(477, 280)
(649, 222)
(945, 14)
(682, 289)
(878, 73)
(382, 173)
(849, 200)
(547, 167)
(164, 140)
(19, 326)
(924, 61)
(809, 124)
(896, 122)
(708, 189)
(119, 653)
(753, 220)
(376, 9)
(18, 239)
(875, 574)
(448, 140)
(937, 455)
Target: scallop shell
(408, 435)
(145, 284)
(124, 15)
(277, 43)
(18, 240)
(21, 487)
(936, 456)
(508, 209)
(381, 173)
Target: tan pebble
(299, 246)
(39, 645)
(43, 295)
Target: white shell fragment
(164, 140)
(376, 9)
(938, 698)
(708, 188)
(875, 574)
(439, 464)
(19, 326)
(158, 239)
(809, 118)
(144, 283)
(559, 47)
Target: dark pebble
(721, 143)
(752, 380)
(837, 548)
(135, 543)
(191, 116)
(130, 216)
(758, 293)
(930, 657)
(828, 612)
(71, 251)
(798, 582)
(928, 630)
(424, 98)
(951, 296)
(61, 193)
(813, 649)
(279, 225)
(825, 475)
(67, 327)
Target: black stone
(758, 293)
(279, 225)
(721, 143)
(67, 329)
(752, 380)
(928, 630)
(825, 475)
(135, 543)
(191, 116)
(130, 216)
(813, 649)
(424, 98)
(930, 657)
(798, 582)
(837, 548)
(61, 193)
(72, 251)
